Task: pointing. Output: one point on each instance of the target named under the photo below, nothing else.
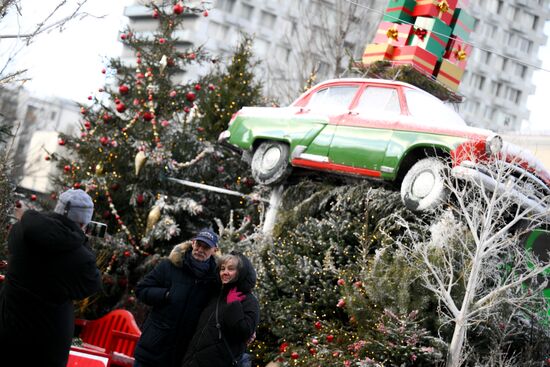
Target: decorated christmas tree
(140, 133)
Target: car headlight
(224, 136)
(493, 145)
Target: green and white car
(380, 129)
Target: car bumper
(223, 139)
(470, 171)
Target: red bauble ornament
(205, 13)
(140, 199)
(123, 36)
(61, 142)
(148, 116)
(341, 281)
(127, 253)
(190, 96)
(67, 168)
(123, 89)
(211, 87)
(312, 351)
(294, 355)
(89, 98)
(106, 214)
(330, 338)
(283, 347)
(77, 185)
(191, 56)
(186, 109)
(121, 107)
(200, 129)
(87, 125)
(103, 71)
(53, 196)
(197, 87)
(18, 204)
(47, 158)
(155, 13)
(178, 8)
(162, 41)
(83, 110)
(104, 140)
(173, 93)
(106, 117)
(318, 325)
(33, 197)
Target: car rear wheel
(270, 163)
(423, 187)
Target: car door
(362, 135)
(321, 114)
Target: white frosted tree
(473, 256)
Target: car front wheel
(270, 163)
(423, 187)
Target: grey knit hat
(76, 205)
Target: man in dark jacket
(49, 266)
(178, 288)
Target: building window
(478, 81)
(512, 94)
(260, 47)
(520, 70)
(218, 31)
(512, 13)
(494, 6)
(226, 5)
(268, 20)
(489, 112)
(246, 11)
(53, 115)
(524, 44)
(496, 88)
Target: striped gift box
(393, 33)
(377, 52)
(462, 24)
(449, 74)
(458, 52)
(442, 9)
(420, 58)
(399, 11)
(431, 34)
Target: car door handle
(353, 113)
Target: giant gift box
(442, 9)
(450, 74)
(458, 52)
(393, 33)
(431, 34)
(418, 57)
(377, 52)
(399, 11)
(462, 24)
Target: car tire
(270, 164)
(423, 187)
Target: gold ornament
(99, 170)
(140, 160)
(153, 217)
(392, 33)
(460, 55)
(443, 6)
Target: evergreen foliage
(141, 131)
(234, 88)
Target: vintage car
(380, 129)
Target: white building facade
(290, 40)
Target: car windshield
(379, 99)
(429, 110)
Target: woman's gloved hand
(235, 296)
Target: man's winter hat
(76, 205)
(207, 236)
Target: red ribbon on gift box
(420, 33)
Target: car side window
(337, 97)
(431, 111)
(379, 99)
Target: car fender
(405, 148)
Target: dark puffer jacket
(168, 329)
(238, 322)
(49, 266)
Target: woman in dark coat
(178, 288)
(229, 320)
(49, 266)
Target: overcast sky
(69, 64)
